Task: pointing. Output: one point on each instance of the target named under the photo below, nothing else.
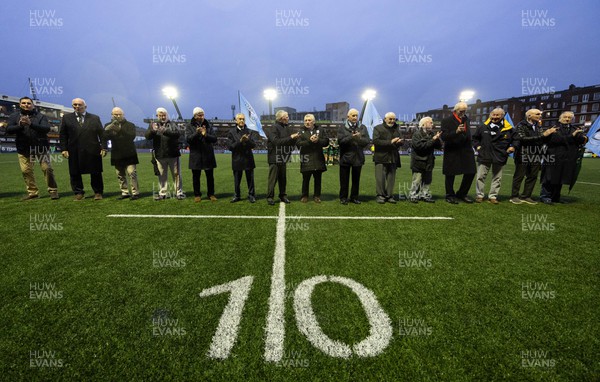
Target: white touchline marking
(277, 217)
(227, 331)
(380, 332)
(275, 329)
(593, 184)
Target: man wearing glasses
(31, 128)
(81, 139)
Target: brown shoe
(79, 197)
(212, 198)
(29, 197)
(478, 200)
(98, 197)
(197, 199)
(494, 201)
(317, 199)
(304, 199)
(54, 195)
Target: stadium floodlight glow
(369, 94)
(270, 94)
(466, 95)
(170, 92)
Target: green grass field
(497, 292)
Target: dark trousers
(277, 175)
(237, 180)
(95, 180)
(345, 180)
(551, 191)
(465, 185)
(306, 182)
(210, 182)
(529, 171)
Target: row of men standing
(83, 139)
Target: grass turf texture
(465, 295)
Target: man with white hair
(387, 142)
(201, 136)
(493, 141)
(123, 154)
(352, 140)
(280, 144)
(529, 150)
(165, 136)
(422, 160)
(82, 142)
(459, 158)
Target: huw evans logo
(44, 18)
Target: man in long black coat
(201, 136)
(82, 142)
(459, 158)
(560, 165)
(312, 161)
(123, 154)
(241, 142)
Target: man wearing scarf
(493, 142)
(459, 158)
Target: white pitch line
(275, 329)
(593, 184)
(277, 217)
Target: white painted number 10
(380, 331)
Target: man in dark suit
(459, 158)
(352, 139)
(123, 155)
(280, 144)
(81, 140)
(241, 143)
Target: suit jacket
(202, 152)
(311, 153)
(242, 157)
(32, 139)
(351, 149)
(83, 142)
(280, 144)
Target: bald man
(123, 155)
(82, 143)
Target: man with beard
(280, 144)
(123, 155)
(241, 142)
(529, 140)
(493, 142)
(352, 140)
(387, 141)
(31, 129)
(560, 165)
(459, 158)
(82, 142)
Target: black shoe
(547, 201)
(356, 201)
(466, 199)
(285, 200)
(270, 201)
(251, 199)
(235, 199)
(126, 196)
(451, 200)
(134, 197)
(344, 201)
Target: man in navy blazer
(82, 142)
